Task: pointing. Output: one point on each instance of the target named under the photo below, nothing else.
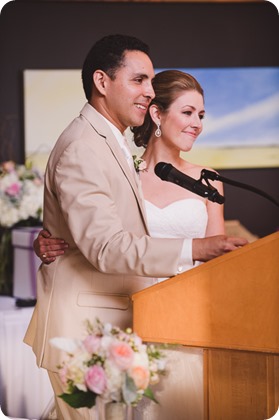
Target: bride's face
(182, 123)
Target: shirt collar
(117, 133)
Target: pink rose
(95, 379)
(92, 343)
(140, 376)
(122, 355)
(13, 189)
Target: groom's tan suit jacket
(92, 200)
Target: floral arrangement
(21, 204)
(21, 194)
(108, 363)
(139, 163)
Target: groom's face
(129, 94)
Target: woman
(172, 125)
(177, 112)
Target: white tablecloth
(25, 391)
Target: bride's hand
(205, 249)
(48, 248)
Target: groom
(92, 200)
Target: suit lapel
(132, 178)
(100, 126)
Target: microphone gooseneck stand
(167, 172)
(213, 176)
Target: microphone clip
(214, 176)
(206, 175)
(214, 194)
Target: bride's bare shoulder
(193, 169)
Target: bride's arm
(48, 248)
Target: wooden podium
(228, 306)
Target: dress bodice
(186, 218)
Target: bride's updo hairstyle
(167, 85)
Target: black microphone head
(162, 170)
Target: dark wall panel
(57, 35)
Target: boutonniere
(139, 163)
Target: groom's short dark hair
(107, 54)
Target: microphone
(167, 172)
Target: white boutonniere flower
(139, 163)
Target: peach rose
(8, 166)
(140, 376)
(122, 355)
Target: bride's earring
(158, 132)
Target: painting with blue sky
(242, 111)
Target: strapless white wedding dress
(185, 218)
(180, 393)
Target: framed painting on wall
(241, 127)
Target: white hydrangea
(21, 194)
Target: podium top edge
(215, 261)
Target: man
(92, 201)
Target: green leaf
(129, 390)
(149, 394)
(79, 398)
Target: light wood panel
(241, 385)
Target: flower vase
(115, 411)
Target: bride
(177, 112)
(172, 125)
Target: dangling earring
(158, 132)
